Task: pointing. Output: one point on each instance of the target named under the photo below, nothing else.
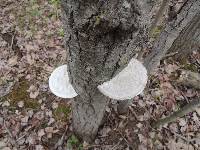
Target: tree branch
(180, 113)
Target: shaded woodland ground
(31, 117)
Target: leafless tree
(101, 38)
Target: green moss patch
(62, 112)
(19, 93)
(74, 143)
(156, 31)
(191, 67)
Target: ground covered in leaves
(31, 117)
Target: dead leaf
(142, 138)
(30, 59)
(5, 104)
(39, 115)
(34, 92)
(41, 133)
(51, 120)
(6, 148)
(180, 145)
(49, 129)
(20, 104)
(39, 147)
(2, 144)
(54, 105)
(24, 120)
(13, 61)
(171, 68)
(198, 110)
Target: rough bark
(101, 38)
(176, 34)
(159, 14)
(189, 39)
(181, 35)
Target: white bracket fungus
(128, 83)
(59, 83)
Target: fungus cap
(129, 83)
(59, 83)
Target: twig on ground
(61, 140)
(95, 145)
(170, 55)
(114, 147)
(22, 136)
(124, 138)
(12, 41)
(13, 141)
(186, 109)
(7, 130)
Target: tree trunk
(181, 35)
(176, 35)
(101, 37)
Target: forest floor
(31, 117)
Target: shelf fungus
(129, 83)
(59, 83)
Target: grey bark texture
(182, 35)
(101, 37)
(176, 36)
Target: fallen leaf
(49, 129)
(34, 94)
(41, 133)
(2, 144)
(20, 104)
(51, 120)
(171, 68)
(13, 61)
(32, 139)
(24, 120)
(6, 148)
(54, 105)
(39, 147)
(5, 104)
(172, 145)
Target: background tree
(101, 38)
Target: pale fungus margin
(129, 83)
(59, 83)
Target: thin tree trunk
(182, 35)
(87, 117)
(176, 34)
